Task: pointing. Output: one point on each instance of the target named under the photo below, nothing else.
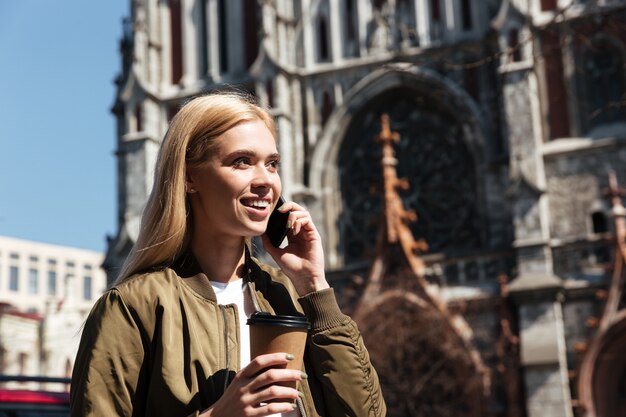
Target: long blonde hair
(166, 222)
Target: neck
(220, 260)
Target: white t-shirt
(235, 292)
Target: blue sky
(58, 60)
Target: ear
(189, 182)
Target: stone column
(535, 288)
(190, 22)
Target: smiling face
(237, 187)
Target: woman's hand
(303, 259)
(252, 389)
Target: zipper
(227, 347)
(301, 407)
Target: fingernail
(282, 207)
(290, 357)
(294, 406)
(303, 375)
(301, 394)
(288, 224)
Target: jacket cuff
(322, 310)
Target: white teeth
(258, 203)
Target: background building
(46, 292)
(510, 113)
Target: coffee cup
(274, 333)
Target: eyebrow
(249, 152)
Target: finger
(270, 409)
(274, 376)
(291, 206)
(275, 393)
(303, 223)
(261, 362)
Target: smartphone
(277, 225)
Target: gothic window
(466, 14)
(203, 53)
(251, 30)
(269, 88)
(176, 40)
(327, 106)
(138, 118)
(322, 36)
(431, 155)
(598, 220)
(223, 38)
(350, 20)
(557, 111)
(405, 16)
(604, 84)
(514, 52)
(435, 10)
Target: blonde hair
(166, 222)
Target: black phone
(277, 225)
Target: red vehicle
(33, 403)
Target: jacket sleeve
(109, 361)
(340, 360)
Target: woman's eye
(273, 164)
(242, 161)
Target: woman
(169, 339)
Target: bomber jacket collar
(188, 269)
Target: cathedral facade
(511, 115)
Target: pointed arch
(325, 173)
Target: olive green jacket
(158, 344)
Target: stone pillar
(213, 39)
(190, 22)
(542, 342)
(336, 38)
(543, 354)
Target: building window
(52, 262)
(598, 220)
(324, 47)
(3, 360)
(435, 10)
(138, 118)
(176, 38)
(87, 287)
(327, 106)
(223, 40)
(14, 278)
(14, 256)
(52, 282)
(33, 281)
(22, 360)
(466, 14)
(350, 20)
(251, 31)
(33, 258)
(269, 87)
(70, 264)
(557, 109)
(515, 52)
(604, 81)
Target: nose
(263, 177)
